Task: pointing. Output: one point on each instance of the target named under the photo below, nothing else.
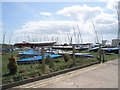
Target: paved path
(96, 76)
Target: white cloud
(46, 13)
(51, 28)
(105, 24)
(112, 4)
(45, 30)
(81, 13)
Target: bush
(23, 70)
(48, 60)
(50, 63)
(18, 77)
(12, 65)
(66, 57)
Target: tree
(12, 65)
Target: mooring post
(43, 59)
(103, 58)
(73, 47)
(100, 53)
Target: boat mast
(79, 34)
(95, 31)
(70, 38)
(74, 34)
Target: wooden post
(100, 52)
(73, 55)
(103, 59)
(43, 59)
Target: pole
(73, 54)
(103, 59)
(43, 59)
(118, 12)
(100, 52)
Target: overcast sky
(47, 21)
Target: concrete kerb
(6, 86)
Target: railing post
(100, 53)
(73, 47)
(43, 59)
(103, 58)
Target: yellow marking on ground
(62, 76)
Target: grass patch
(26, 71)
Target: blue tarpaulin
(38, 58)
(86, 55)
(82, 54)
(110, 49)
(30, 52)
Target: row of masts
(70, 37)
(76, 36)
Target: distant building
(115, 42)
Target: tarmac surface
(104, 75)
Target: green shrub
(48, 60)
(6, 79)
(18, 77)
(23, 70)
(50, 63)
(66, 57)
(12, 65)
